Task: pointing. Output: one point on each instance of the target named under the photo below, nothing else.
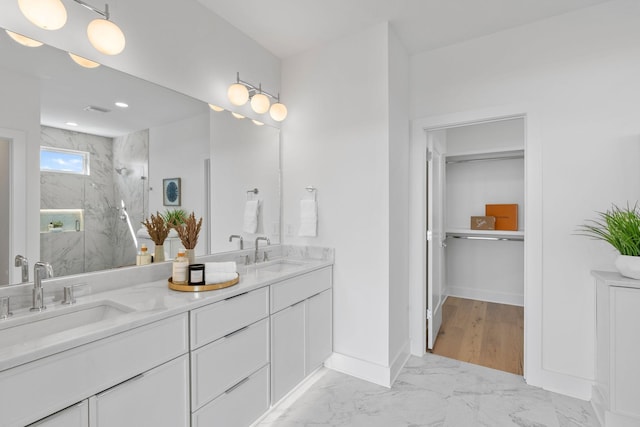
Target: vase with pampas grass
(158, 230)
(188, 233)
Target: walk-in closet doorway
(475, 277)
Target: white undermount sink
(29, 326)
(279, 266)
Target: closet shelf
(485, 234)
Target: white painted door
(435, 233)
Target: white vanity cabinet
(301, 329)
(35, 390)
(616, 395)
(74, 416)
(230, 360)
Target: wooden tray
(207, 287)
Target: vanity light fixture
(105, 36)
(46, 14)
(241, 91)
(216, 108)
(238, 116)
(257, 123)
(24, 41)
(83, 62)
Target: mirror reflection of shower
(125, 217)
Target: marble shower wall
(131, 185)
(102, 244)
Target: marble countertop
(613, 278)
(149, 302)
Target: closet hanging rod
(484, 159)
(496, 238)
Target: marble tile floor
(432, 391)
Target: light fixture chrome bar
(98, 11)
(252, 87)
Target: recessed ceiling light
(72, 124)
(122, 104)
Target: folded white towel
(218, 272)
(213, 278)
(308, 218)
(220, 267)
(250, 224)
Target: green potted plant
(620, 227)
(175, 217)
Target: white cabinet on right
(616, 395)
(301, 329)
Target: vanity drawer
(221, 364)
(296, 289)
(217, 320)
(239, 406)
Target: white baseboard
(580, 388)
(372, 372)
(485, 295)
(398, 362)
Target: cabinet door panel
(74, 416)
(158, 398)
(287, 350)
(319, 343)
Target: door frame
(532, 227)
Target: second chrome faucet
(255, 257)
(41, 270)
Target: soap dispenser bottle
(180, 272)
(144, 257)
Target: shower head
(122, 171)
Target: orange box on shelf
(506, 216)
(483, 222)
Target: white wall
(398, 203)
(243, 156)
(20, 111)
(341, 138)
(577, 74)
(5, 210)
(178, 150)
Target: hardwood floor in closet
(482, 333)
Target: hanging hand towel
(251, 216)
(308, 218)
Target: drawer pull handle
(229, 335)
(236, 296)
(230, 390)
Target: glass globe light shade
(46, 14)
(24, 41)
(83, 62)
(238, 94)
(237, 116)
(278, 112)
(216, 108)
(106, 37)
(257, 123)
(260, 103)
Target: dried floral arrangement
(188, 232)
(157, 227)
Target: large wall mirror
(104, 168)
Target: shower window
(64, 161)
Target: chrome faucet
(255, 258)
(24, 263)
(237, 236)
(41, 270)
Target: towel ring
(313, 190)
(254, 191)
